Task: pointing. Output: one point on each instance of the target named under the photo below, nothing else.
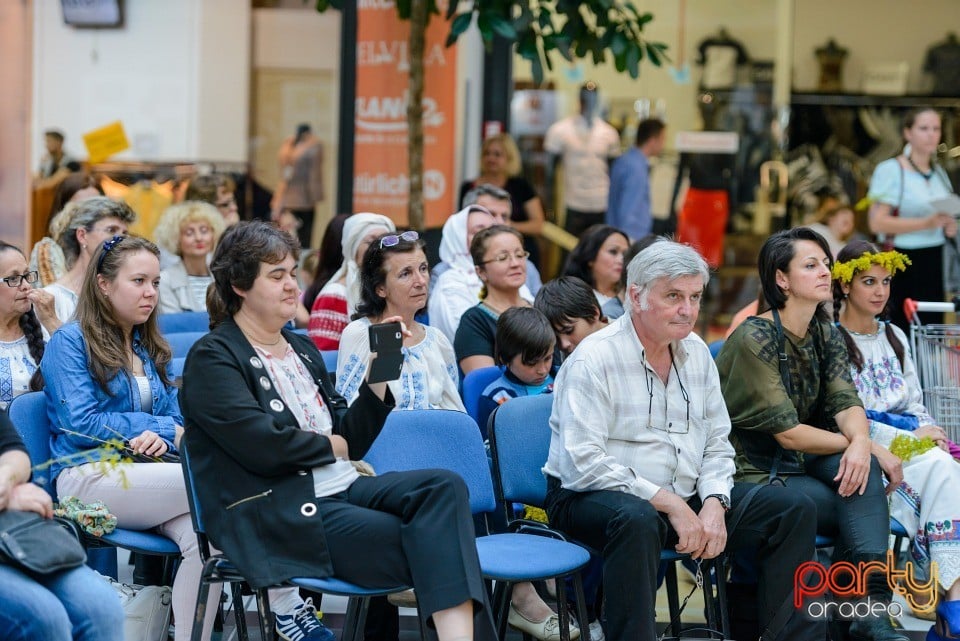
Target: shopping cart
(936, 350)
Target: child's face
(534, 374)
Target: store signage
(708, 142)
(381, 180)
(106, 141)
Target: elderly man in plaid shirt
(640, 458)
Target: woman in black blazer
(271, 445)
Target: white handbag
(146, 610)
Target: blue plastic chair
(28, 412)
(450, 440)
(218, 569)
(715, 348)
(519, 434)
(473, 385)
(181, 342)
(183, 322)
(330, 361)
(175, 368)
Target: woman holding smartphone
(394, 278)
(259, 410)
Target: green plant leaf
(632, 59)
(460, 24)
(403, 8)
(502, 27)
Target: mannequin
(943, 63)
(586, 145)
(721, 56)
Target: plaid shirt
(616, 426)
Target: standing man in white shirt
(640, 458)
(586, 145)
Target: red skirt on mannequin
(703, 221)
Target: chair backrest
(175, 368)
(192, 500)
(520, 442)
(715, 347)
(432, 439)
(28, 413)
(183, 322)
(473, 385)
(181, 342)
(330, 361)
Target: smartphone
(386, 340)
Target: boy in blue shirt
(525, 344)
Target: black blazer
(251, 461)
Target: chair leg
(501, 606)
(563, 614)
(239, 611)
(581, 606)
(722, 595)
(709, 599)
(200, 611)
(268, 631)
(673, 599)
(352, 624)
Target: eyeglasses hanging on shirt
(669, 425)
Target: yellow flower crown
(892, 261)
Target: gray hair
(85, 216)
(485, 189)
(664, 259)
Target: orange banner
(381, 182)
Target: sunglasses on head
(392, 240)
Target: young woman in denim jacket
(106, 378)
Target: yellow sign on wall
(104, 142)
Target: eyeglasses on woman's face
(14, 281)
(503, 257)
(392, 240)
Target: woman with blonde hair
(190, 230)
(500, 166)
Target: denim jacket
(76, 402)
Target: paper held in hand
(947, 205)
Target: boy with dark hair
(571, 309)
(525, 345)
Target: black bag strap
(787, 385)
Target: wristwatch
(724, 500)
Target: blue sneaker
(303, 625)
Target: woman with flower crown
(886, 379)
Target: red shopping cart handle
(911, 307)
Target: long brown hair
(106, 344)
(855, 249)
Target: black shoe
(876, 629)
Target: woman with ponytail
(21, 333)
(886, 380)
(903, 190)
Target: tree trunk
(418, 36)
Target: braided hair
(855, 249)
(32, 330)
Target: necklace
(875, 331)
(259, 342)
(926, 175)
